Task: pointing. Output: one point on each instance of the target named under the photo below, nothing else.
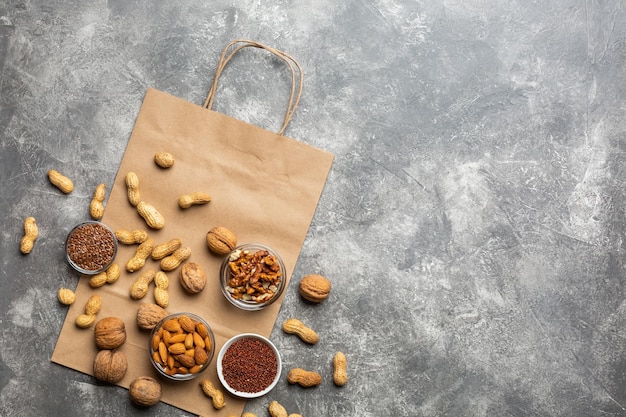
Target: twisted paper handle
(238, 45)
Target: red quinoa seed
(249, 365)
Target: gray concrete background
(472, 224)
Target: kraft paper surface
(264, 187)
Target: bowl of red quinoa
(252, 276)
(90, 247)
(248, 365)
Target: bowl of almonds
(252, 276)
(181, 346)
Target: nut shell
(192, 277)
(66, 296)
(340, 374)
(154, 219)
(304, 378)
(145, 391)
(314, 288)
(148, 315)
(221, 240)
(164, 159)
(110, 333)
(110, 366)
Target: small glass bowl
(247, 303)
(241, 355)
(172, 373)
(91, 247)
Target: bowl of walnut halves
(252, 276)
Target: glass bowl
(90, 247)
(172, 358)
(253, 288)
(234, 368)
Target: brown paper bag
(264, 186)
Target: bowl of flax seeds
(91, 247)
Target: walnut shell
(110, 333)
(145, 391)
(148, 315)
(314, 288)
(110, 365)
(221, 240)
(192, 277)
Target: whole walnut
(110, 333)
(192, 277)
(110, 365)
(148, 315)
(221, 240)
(314, 288)
(145, 391)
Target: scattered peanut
(142, 253)
(340, 374)
(295, 415)
(131, 238)
(85, 320)
(31, 232)
(132, 188)
(162, 250)
(98, 280)
(139, 289)
(113, 273)
(217, 397)
(173, 261)
(304, 378)
(92, 307)
(96, 207)
(276, 409)
(60, 181)
(151, 215)
(164, 159)
(248, 414)
(66, 296)
(186, 201)
(161, 296)
(106, 277)
(295, 326)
